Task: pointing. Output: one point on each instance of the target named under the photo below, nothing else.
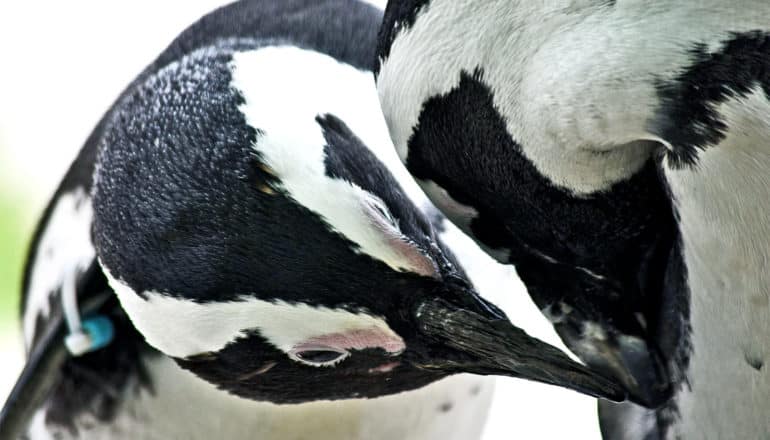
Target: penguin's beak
(481, 340)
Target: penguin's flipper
(41, 373)
(61, 257)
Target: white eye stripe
(283, 102)
(182, 328)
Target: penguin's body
(722, 203)
(128, 389)
(626, 144)
(277, 274)
(720, 193)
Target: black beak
(483, 341)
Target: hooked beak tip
(628, 359)
(646, 377)
(490, 345)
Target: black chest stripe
(687, 117)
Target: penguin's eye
(318, 356)
(381, 211)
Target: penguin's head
(513, 117)
(258, 242)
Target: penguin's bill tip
(490, 345)
(629, 359)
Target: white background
(62, 64)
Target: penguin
(238, 253)
(615, 153)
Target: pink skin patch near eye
(418, 262)
(412, 256)
(359, 339)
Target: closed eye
(409, 253)
(319, 356)
(382, 211)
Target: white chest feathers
(725, 225)
(452, 409)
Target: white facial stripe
(64, 247)
(183, 328)
(283, 96)
(568, 82)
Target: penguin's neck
(723, 205)
(180, 405)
